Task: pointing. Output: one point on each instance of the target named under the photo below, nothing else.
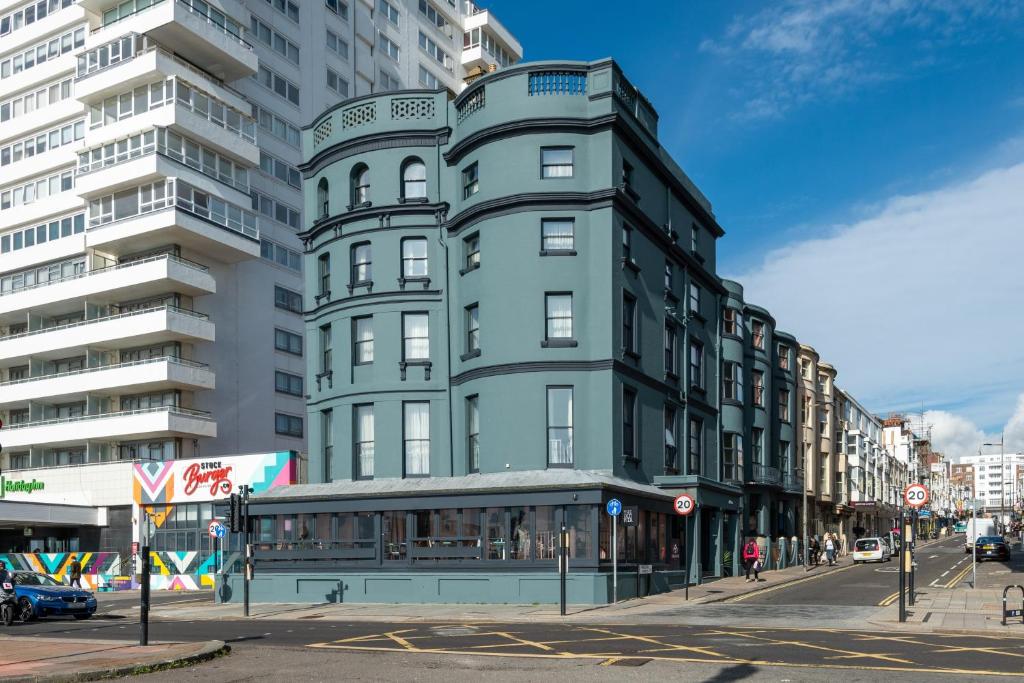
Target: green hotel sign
(19, 486)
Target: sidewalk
(957, 609)
(52, 659)
(719, 590)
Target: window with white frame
(415, 337)
(558, 315)
(416, 437)
(428, 79)
(337, 44)
(732, 381)
(387, 46)
(560, 426)
(556, 162)
(362, 340)
(336, 82)
(389, 11)
(363, 440)
(274, 40)
(557, 234)
(414, 257)
(442, 58)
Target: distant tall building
(151, 286)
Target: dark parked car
(991, 548)
(41, 596)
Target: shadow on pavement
(733, 673)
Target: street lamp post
(1002, 476)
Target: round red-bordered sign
(916, 495)
(684, 504)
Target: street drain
(626, 661)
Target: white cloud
(796, 51)
(1014, 431)
(918, 303)
(953, 435)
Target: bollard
(1009, 613)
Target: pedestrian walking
(751, 559)
(830, 549)
(76, 572)
(815, 551)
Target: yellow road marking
(959, 577)
(888, 600)
(523, 641)
(609, 662)
(654, 641)
(393, 635)
(538, 655)
(740, 598)
(812, 646)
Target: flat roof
(500, 482)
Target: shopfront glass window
(577, 523)
(393, 533)
(497, 539)
(547, 533)
(519, 528)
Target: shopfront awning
(20, 513)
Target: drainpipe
(447, 293)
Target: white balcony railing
(113, 366)
(90, 321)
(170, 410)
(110, 269)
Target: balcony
(199, 32)
(141, 376)
(134, 60)
(487, 43)
(148, 326)
(133, 280)
(128, 425)
(182, 107)
(793, 481)
(765, 475)
(173, 212)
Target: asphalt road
(608, 645)
(939, 564)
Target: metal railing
(766, 474)
(107, 318)
(77, 276)
(793, 481)
(176, 410)
(111, 366)
(192, 9)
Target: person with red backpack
(751, 559)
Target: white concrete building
(995, 491)
(150, 273)
(875, 476)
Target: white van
(976, 528)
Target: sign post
(684, 505)
(563, 563)
(916, 496)
(245, 490)
(614, 508)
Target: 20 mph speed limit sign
(916, 495)
(684, 504)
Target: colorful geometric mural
(97, 568)
(157, 486)
(104, 571)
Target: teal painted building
(512, 316)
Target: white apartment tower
(150, 282)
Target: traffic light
(235, 513)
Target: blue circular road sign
(614, 507)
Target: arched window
(414, 179)
(360, 185)
(322, 198)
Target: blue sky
(820, 125)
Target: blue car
(40, 596)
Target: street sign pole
(974, 551)
(686, 558)
(247, 567)
(144, 596)
(563, 563)
(903, 544)
(913, 522)
(615, 559)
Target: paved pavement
(26, 658)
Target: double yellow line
(958, 577)
(889, 599)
